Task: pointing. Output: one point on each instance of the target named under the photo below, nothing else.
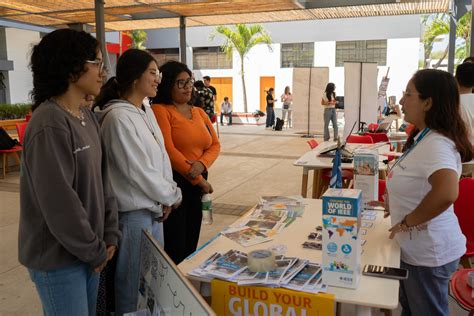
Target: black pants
(182, 228)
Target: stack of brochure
(290, 272)
(269, 217)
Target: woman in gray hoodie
(140, 170)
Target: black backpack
(6, 142)
(279, 124)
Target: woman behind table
(287, 100)
(422, 186)
(330, 115)
(192, 146)
(140, 170)
(68, 218)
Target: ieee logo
(347, 249)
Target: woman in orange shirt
(192, 146)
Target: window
(297, 55)
(165, 54)
(363, 51)
(210, 58)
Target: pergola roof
(124, 15)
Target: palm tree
(139, 38)
(439, 25)
(242, 38)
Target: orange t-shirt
(187, 139)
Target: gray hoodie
(140, 170)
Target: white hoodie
(140, 170)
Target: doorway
(265, 84)
(223, 87)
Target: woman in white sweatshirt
(140, 171)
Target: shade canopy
(125, 15)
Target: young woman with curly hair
(68, 219)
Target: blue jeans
(425, 292)
(270, 117)
(67, 291)
(128, 260)
(226, 114)
(330, 115)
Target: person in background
(422, 186)
(204, 98)
(193, 146)
(287, 100)
(226, 110)
(330, 115)
(207, 83)
(140, 169)
(270, 109)
(465, 80)
(68, 215)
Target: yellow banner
(230, 299)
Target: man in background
(207, 83)
(465, 79)
(226, 110)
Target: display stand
(360, 94)
(308, 88)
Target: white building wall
(19, 44)
(402, 34)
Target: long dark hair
(170, 71)
(57, 59)
(330, 94)
(130, 66)
(444, 115)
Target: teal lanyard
(422, 135)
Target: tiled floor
(253, 162)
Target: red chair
(21, 128)
(460, 291)
(357, 139)
(378, 137)
(326, 174)
(382, 188)
(5, 153)
(464, 211)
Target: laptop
(332, 147)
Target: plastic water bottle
(206, 205)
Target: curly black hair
(170, 71)
(59, 58)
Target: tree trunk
(441, 59)
(243, 83)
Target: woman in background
(193, 146)
(140, 170)
(68, 216)
(330, 115)
(287, 100)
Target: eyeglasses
(99, 63)
(159, 75)
(184, 84)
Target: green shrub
(14, 111)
